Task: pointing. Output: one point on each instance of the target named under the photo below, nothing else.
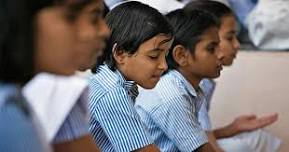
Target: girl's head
(195, 49)
(139, 41)
(229, 43)
(49, 35)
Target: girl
(135, 55)
(235, 136)
(41, 36)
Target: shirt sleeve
(177, 120)
(76, 124)
(17, 131)
(116, 114)
(204, 118)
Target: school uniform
(60, 104)
(254, 141)
(114, 123)
(170, 111)
(18, 131)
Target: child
(229, 138)
(135, 54)
(170, 110)
(46, 36)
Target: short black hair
(189, 26)
(131, 24)
(17, 35)
(217, 8)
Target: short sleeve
(176, 118)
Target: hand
(251, 122)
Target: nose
(163, 64)
(103, 30)
(219, 53)
(236, 44)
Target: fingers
(267, 120)
(249, 116)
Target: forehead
(77, 5)
(157, 42)
(210, 35)
(229, 23)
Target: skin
(206, 60)
(152, 53)
(65, 44)
(230, 45)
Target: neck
(193, 79)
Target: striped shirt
(208, 86)
(76, 123)
(62, 109)
(170, 111)
(18, 132)
(115, 124)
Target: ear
(180, 55)
(118, 55)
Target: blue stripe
(76, 124)
(114, 123)
(169, 111)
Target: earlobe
(180, 55)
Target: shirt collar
(183, 82)
(113, 77)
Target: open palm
(251, 122)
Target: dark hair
(131, 24)
(16, 35)
(189, 26)
(217, 8)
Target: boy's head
(229, 43)
(195, 50)
(139, 41)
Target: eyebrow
(232, 32)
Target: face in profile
(67, 40)
(206, 61)
(229, 43)
(147, 64)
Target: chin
(148, 86)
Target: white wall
(258, 82)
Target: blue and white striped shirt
(170, 112)
(76, 123)
(114, 123)
(208, 87)
(18, 132)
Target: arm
(149, 148)
(245, 123)
(205, 148)
(177, 120)
(213, 141)
(81, 144)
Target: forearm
(81, 144)
(206, 148)
(213, 141)
(224, 132)
(149, 148)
